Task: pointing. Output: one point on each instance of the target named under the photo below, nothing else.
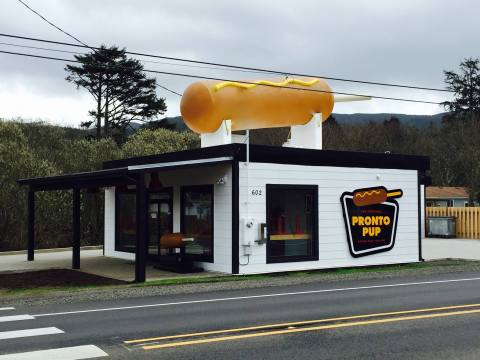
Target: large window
(197, 221)
(292, 223)
(126, 220)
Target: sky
(396, 41)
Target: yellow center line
(314, 328)
(307, 322)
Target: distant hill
(176, 122)
(414, 120)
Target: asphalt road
(371, 319)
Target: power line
(239, 81)
(41, 48)
(142, 60)
(75, 38)
(165, 88)
(237, 67)
(55, 26)
(76, 53)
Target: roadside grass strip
(67, 353)
(261, 296)
(300, 326)
(15, 318)
(30, 332)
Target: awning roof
(111, 177)
(89, 179)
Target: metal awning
(111, 177)
(99, 178)
(134, 175)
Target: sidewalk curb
(52, 250)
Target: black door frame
(315, 239)
(169, 201)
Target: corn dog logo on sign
(370, 219)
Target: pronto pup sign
(370, 219)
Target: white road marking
(16, 318)
(7, 308)
(259, 296)
(29, 332)
(67, 353)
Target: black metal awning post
(76, 229)
(142, 224)
(31, 225)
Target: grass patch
(202, 279)
(26, 290)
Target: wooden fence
(468, 219)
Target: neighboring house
(447, 196)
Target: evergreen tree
(121, 90)
(466, 85)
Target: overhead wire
(142, 60)
(237, 67)
(52, 24)
(238, 81)
(75, 38)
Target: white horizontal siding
(331, 182)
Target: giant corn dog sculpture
(254, 105)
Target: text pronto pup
(371, 224)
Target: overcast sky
(397, 41)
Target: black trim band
(285, 155)
(235, 218)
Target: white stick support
(308, 136)
(222, 136)
(349, 98)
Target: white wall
(222, 211)
(332, 182)
(109, 236)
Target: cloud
(399, 41)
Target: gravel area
(52, 278)
(133, 291)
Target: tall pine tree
(121, 90)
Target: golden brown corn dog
(374, 196)
(254, 105)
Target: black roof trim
(91, 179)
(184, 155)
(286, 155)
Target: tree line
(32, 149)
(38, 149)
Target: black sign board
(370, 216)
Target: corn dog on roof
(255, 104)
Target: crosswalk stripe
(16, 318)
(7, 308)
(29, 332)
(67, 353)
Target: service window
(126, 220)
(197, 221)
(292, 223)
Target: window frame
(200, 188)
(166, 190)
(315, 252)
(118, 247)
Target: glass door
(160, 220)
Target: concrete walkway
(91, 261)
(451, 248)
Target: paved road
(353, 320)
